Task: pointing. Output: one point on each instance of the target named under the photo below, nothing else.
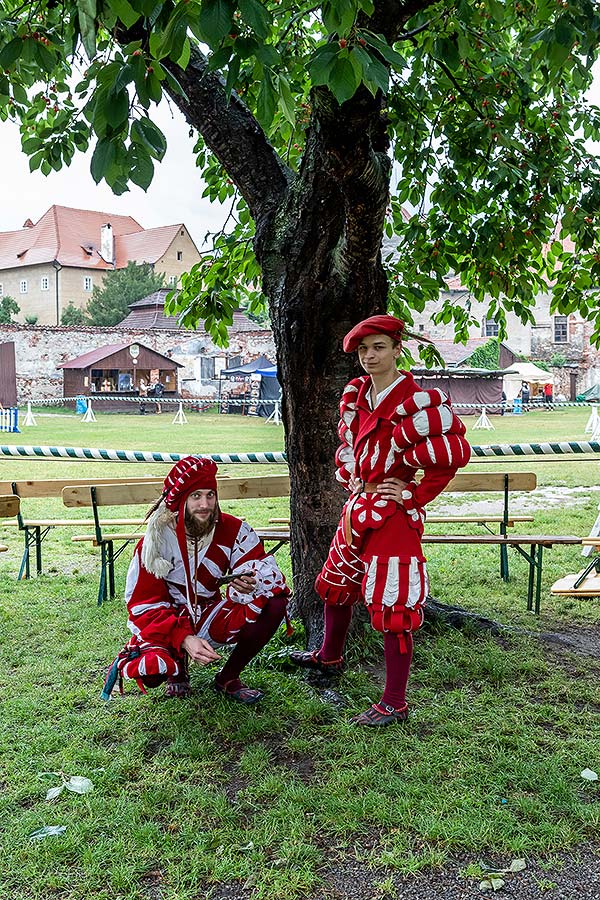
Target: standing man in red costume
(389, 429)
(176, 609)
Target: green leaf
(116, 109)
(102, 159)
(256, 16)
(215, 20)
(379, 43)
(87, 25)
(11, 52)
(266, 102)
(144, 131)
(232, 75)
(373, 68)
(174, 85)
(268, 55)
(125, 11)
(286, 100)
(322, 62)
(342, 80)
(142, 170)
(125, 77)
(184, 59)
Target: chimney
(107, 244)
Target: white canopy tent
(523, 371)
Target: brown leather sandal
(309, 659)
(241, 694)
(381, 714)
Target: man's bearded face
(201, 513)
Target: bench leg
(24, 569)
(111, 570)
(538, 584)
(531, 578)
(504, 562)
(38, 551)
(102, 586)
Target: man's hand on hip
(199, 650)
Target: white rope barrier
(506, 405)
(559, 448)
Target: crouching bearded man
(389, 429)
(176, 609)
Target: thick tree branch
(352, 148)
(233, 135)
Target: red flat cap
(373, 325)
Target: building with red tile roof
(59, 259)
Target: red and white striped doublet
(383, 563)
(160, 614)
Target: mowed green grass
(190, 797)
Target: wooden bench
(9, 507)
(507, 483)
(35, 530)
(585, 583)
(99, 496)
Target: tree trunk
(312, 309)
(318, 241)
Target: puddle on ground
(542, 498)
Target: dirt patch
(583, 641)
(548, 497)
(570, 875)
(566, 876)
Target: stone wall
(40, 349)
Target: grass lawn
(202, 799)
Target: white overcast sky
(174, 196)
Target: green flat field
(199, 799)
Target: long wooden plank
(122, 494)
(491, 481)
(274, 534)
(119, 494)
(9, 505)
(69, 523)
(53, 487)
(451, 520)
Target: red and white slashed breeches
(219, 623)
(384, 568)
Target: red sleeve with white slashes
(153, 615)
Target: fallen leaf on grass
(517, 865)
(79, 785)
(589, 775)
(491, 884)
(54, 792)
(47, 831)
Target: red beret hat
(191, 473)
(373, 325)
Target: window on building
(44, 283)
(23, 286)
(1, 289)
(207, 368)
(87, 283)
(172, 280)
(179, 255)
(561, 330)
(490, 328)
